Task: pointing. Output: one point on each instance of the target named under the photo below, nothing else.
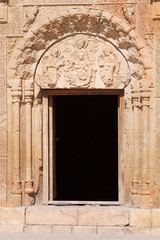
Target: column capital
(136, 102)
(29, 94)
(16, 95)
(145, 101)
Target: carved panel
(155, 9)
(3, 12)
(82, 61)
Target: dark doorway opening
(86, 148)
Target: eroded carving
(129, 14)
(85, 62)
(70, 23)
(3, 11)
(30, 16)
(108, 65)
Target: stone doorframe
(121, 66)
(48, 146)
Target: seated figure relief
(85, 63)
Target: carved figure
(82, 70)
(30, 17)
(109, 64)
(51, 65)
(78, 72)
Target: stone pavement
(25, 236)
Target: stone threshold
(96, 220)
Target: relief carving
(30, 16)
(109, 64)
(74, 21)
(129, 15)
(82, 61)
(3, 11)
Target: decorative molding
(155, 9)
(3, 12)
(64, 24)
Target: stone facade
(99, 45)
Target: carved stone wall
(64, 45)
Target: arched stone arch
(27, 59)
(59, 25)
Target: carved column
(145, 100)
(136, 149)
(16, 98)
(28, 109)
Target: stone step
(70, 220)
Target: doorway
(86, 148)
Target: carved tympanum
(65, 24)
(82, 61)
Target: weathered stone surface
(13, 217)
(12, 228)
(0, 216)
(140, 218)
(156, 218)
(155, 231)
(51, 215)
(103, 217)
(123, 231)
(91, 230)
(37, 229)
(92, 44)
(57, 2)
(67, 230)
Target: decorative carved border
(68, 22)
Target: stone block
(0, 216)
(84, 230)
(140, 218)
(103, 216)
(62, 230)
(156, 218)
(155, 231)
(110, 231)
(136, 231)
(37, 229)
(15, 228)
(123, 231)
(13, 216)
(51, 215)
